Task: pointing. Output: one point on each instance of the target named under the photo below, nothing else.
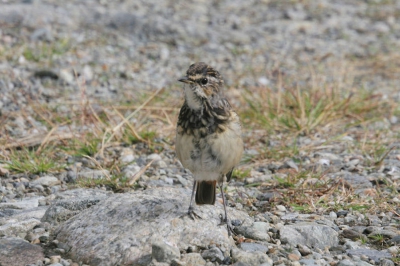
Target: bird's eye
(204, 81)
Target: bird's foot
(228, 225)
(192, 214)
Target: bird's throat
(193, 100)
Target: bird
(208, 135)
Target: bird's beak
(185, 80)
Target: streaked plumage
(208, 139)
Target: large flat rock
(120, 230)
(17, 252)
(310, 234)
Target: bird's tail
(205, 193)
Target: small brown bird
(208, 137)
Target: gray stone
(304, 250)
(193, 259)
(372, 254)
(395, 240)
(345, 262)
(256, 231)
(132, 219)
(70, 203)
(310, 234)
(251, 247)
(93, 174)
(17, 252)
(353, 235)
(14, 227)
(213, 254)
(250, 258)
(308, 262)
(386, 262)
(384, 233)
(46, 181)
(163, 252)
(26, 203)
(62, 210)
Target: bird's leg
(191, 212)
(226, 220)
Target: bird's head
(202, 83)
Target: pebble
(213, 254)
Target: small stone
(304, 250)
(251, 247)
(386, 262)
(46, 181)
(163, 252)
(324, 162)
(250, 258)
(193, 259)
(55, 259)
(156, 157)
(71, 177)
(94, 174)
(67, 76)
(372, 254)
(213, 254)
(281, 208)
(393, 250)
(293, 257)
(345, 262)
(257, 231)
(333, 215)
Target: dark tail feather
(205, 193)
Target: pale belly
(212, 157)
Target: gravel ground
(57, 54)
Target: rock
(193, 259)
(353, 235)
(17, 252)
(256, 231)
(252, 247)
(70, 203)
(67, 76)
(163, 252)
(345, 262)
(357, 182)
(46, 181)
(386, 262)
(213, 254)
(293, 257)
(310, 234)
(384, 233)
(94, 174)
(156, 157)
(309, 262)
(304, 250)
(15, 227)
(372, 254)
(61, 210)
(132, 219)
(26, 203)
(395, 240)
(250, 258)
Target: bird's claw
(193, 215)
(228, 225)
